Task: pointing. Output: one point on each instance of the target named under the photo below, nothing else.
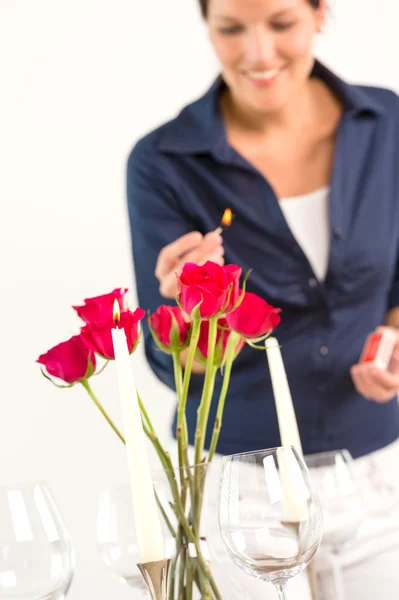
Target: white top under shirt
(308, 218)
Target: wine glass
(342, 503)
(270, 517)
(116, 536)
(36, 557)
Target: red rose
(210, 284)
(169, 328)
(222, 337)
(101, 308)
(98, 337)
(70, 361)
(254, 317)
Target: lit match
(226, 221)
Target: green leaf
(178, 302)
(244, 288)
(137, 341)
(102, 368)
(53, 382)
(218, 356)
(195, 313)
(253, 345)
(174, 335)
(262, 338)
(90, 369)
(232, 343)
(160, 345)
(247, 276)
(200, 357)
(223, 309)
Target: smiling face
(265, 48)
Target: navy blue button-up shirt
(181, 178)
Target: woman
(308, 164)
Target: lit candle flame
(116, 312)
(227, 218)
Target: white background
(81, 80)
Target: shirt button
(324, 350)
(338, 233)
(312, 282)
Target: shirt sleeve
(156, 218)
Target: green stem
(189, 475)
(173, 567)
(88, 389)
(145, 414)
(178, 373)
(201, 561)
(182, 570)
(207, 392)
(199, 482)
(170, 473)
(172, 578)
(202, 422)
(189, 579)
(234, 338)
(182, 387)
(181, 432)
(187, 371)
(183, 550)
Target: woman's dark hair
(204, 6)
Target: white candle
(293, 507)
(287, 423)
(150, 541)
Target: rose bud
(98, 337)
(100, 308)
(254, 317)
(71, 361)
(169, 328)
(209, 284)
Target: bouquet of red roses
(212, 321)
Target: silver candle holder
(156, 576)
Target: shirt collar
(199, 128)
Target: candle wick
(116, 321)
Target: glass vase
(183, 499)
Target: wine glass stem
(337, 575)
(280, 588)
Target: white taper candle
(287, 422)
(150, 540)
(293, 507)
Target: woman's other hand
(375, 384)
(192, 247)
